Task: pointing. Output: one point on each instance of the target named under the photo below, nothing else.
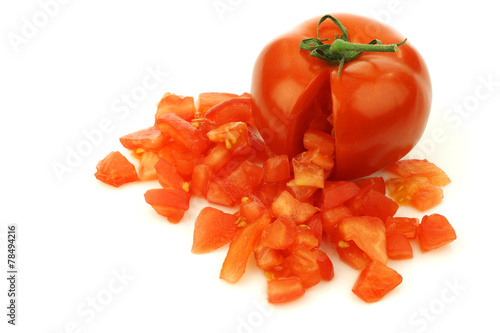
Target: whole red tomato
(376, 106)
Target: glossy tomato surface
(378, 105)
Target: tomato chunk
(284, 290)
(276, 169)
(337, 192)
(415, 191)
(200, 180)
(423, 168)
(286, 206)
(303, 264)
(325, 265)
(116, 170)
(179, 105)
(434, 231)
(370, 202)
(314, 139)
(182, 132)
(267, 258)
(368, 233)
(375, 281)
(234, 109)
(210, 99)
(352, 255)
(233, 134)
(150, 138)
(405, 225)
(213, 229)
(243, 180)
(240, 249)
(171, 203)
(398, 246)
(279, 235)
(146, 170)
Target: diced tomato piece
(307, 173)
(200, 180)
(368, 233)
(423, 168)
(369, 202)
(266, 257)
(284, 290)
(325, 265)
(116, 170)
(286, 206)
(352, 255)
(324, 161)
(210, 99)
(217, 195)
(279, 234)
(146, 170)
(213, 229)
(150, 138)
(179, 105)
(182, 132)
(330, 219)
(375, 281)
(185, 161)
(276, 169)
(171, 203)
(242, 181)
(260, 148)
(240, 249)
(405, 225)
(315, 223)
(301, 193)
(398, 246)
(268, 192)
(375, 183)
(234, 109)
(252, 208)
(302, 263)
(336, 193)
(314, 139)
(167, 175)
(217, 157)
(415, 191)
(233, 134)
(305, 237)
(434, 231)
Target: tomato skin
(380, 102)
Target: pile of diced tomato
(287, 208)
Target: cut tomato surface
(171, 203)
(434, 231)
(375, 281)
(398, 246)
(179, 105)
(116, 170)
(286, 206)
(213, 229)
(182, 132)
(150, 138)
(284, 290)
(423, 168)
(276, 169)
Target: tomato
(434, 231)
(276, 169)
(307, 173)
(116, 170)
(211, 99)
(212, 229)
(368, 233)
(266, 257)
(252, 208)
(146, 170)
(375, 183)
(378, 103)
(415, 191)
(241, 248)
(279, 235)
(325, 265)
(372, 203)
(179, 105)
(375, 281)
(182, 132)
(171, 203)
(233, 134)
(284, 290)
(424, 168)
(338, 192)
(242, 181)
(150, 138)
(231, 110)
(200, 180)
(286, 206)
(398, 246)
(352, 255)
(405, 225)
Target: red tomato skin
(434, 231)
(392, 91)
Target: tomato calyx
(341, 50)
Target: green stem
(340, 45)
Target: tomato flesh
(171, 203)
(434, 231)
(116, 170)
(212, 229)
(284, 290)
(375, 281)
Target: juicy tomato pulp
(377, 108)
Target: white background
(73, 69)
